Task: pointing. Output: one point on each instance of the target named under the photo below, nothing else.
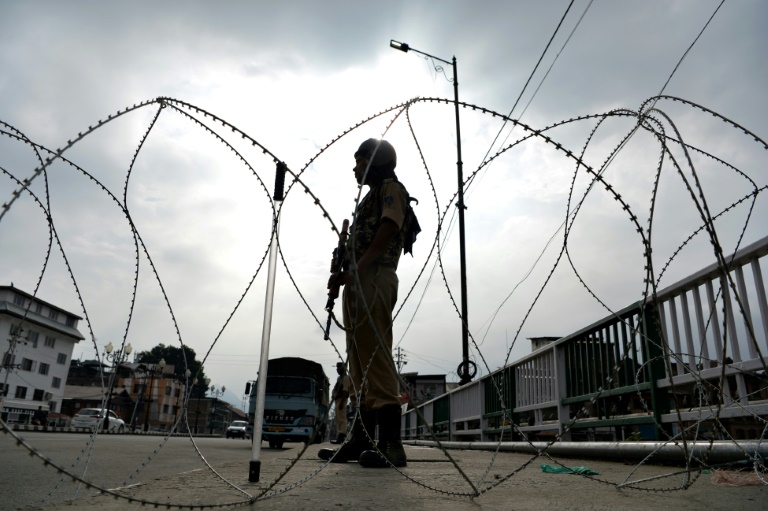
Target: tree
(175, 356)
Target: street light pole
(116, 357)
(467, 368)
(149, 399)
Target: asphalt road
(114, 461)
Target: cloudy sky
(294, 76)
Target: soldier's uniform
(375, 299)
(368, 301)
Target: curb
(58, 429)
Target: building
(146, 396)
(156, 393)
(212, 415)
(539, 342)
(422, 388)
(37, 339)
(77, 397)
(87, 373)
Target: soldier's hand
(339, 279)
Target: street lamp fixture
(467, 368)
(399, 46)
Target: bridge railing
(711, 317)
(650, 364)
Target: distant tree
(175, 356)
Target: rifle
(338, 262)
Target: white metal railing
(706, 322)
(628, 367)
(467, 408)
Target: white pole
(254, 468)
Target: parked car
(93, 418)
(238, 429)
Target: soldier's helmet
(377, 152)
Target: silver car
(93, 418)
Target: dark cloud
(296, 74)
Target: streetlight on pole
(467, 368)
(117, 357)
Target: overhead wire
(538, 87)
(530, 77)
(685, 54)
(451, 221)
(677, 66)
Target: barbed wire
(651, 120)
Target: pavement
(434, 481)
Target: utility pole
(400, 357)
(8, 365)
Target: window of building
(4, 389)
(39, 308)
(167, 391)
(27, 364)
(177, 393)
(50, 342)
(135, 388)
(53, 314)
(18, 300)
(71, 320)
(15, 329)
(38, 395)
(43, 368)
(21, 392)
(52, 406)
(56, 383)
(9, 360)
(165, 408)
(33, 336)
(61, 359)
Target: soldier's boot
(356, 443)
(389, 449)
(340, 438)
